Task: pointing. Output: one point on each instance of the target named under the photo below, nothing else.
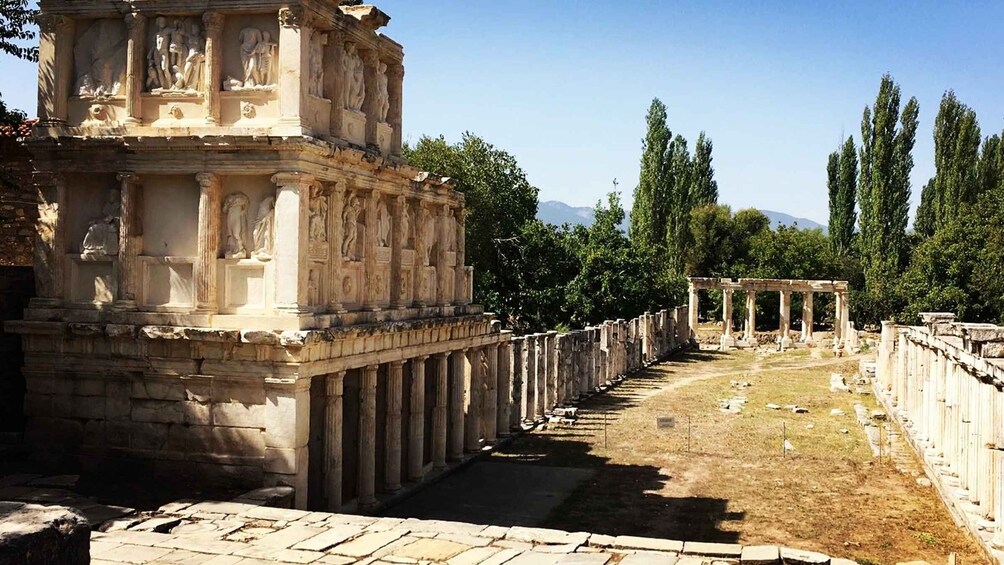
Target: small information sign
(665, 423)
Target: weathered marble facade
(944, 382)
(237, 277)
(844, 334)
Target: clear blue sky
(565, 85)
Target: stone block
(42, 535)
(160, 411)
(251, 391)
(651, 558)
(146, 435)
(238, 441)
(712, 549)
(281, 460)
(158, 389)
(791, 556)
(194, 412)
(117, 407)
(287, 418)
(189, 439)
(238, 414)
(760, 555)
(652, 544)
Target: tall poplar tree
(704, 189)
(678, 218)
(887, 140)
(990, 171)
(649, 211)
(842, 173)
(956, 157)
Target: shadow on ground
(556, 480)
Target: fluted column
(785, 318)
(370, 237)
(397, 244)
(540, 377)
(130, 240)
(294, 59)
(490, 400)
(504, 385)
(395, 90)
(416, 420)
(460, 274)
(838, 325)
(50, 240)
(136, 24)
(392, 430)
(55, 62)
(807, 317)
(333, 426)
(367, 437)
(458, 396)
(692, 311)
(551, 378)
(473, 376)
(204, 270)
(439, 414)
(528, 409)
(336, 233)
(750, 331)
(292, 218)
(517, 385)
(213, 23)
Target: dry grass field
(734, 485)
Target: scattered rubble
(838, 384)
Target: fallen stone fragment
(844, 431)
(837, 412)
(43, 535)
(924, 482)
(774, 406)
(799, 410)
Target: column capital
(213, 21)
(420, 358)
(397, 363)
(293, 178)
(134, 20)
(333, 383)
(291, 17)
(207, 179)
(128, 177)
(371, 368)
(442, 356)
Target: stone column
(692, 311)
(473, 378)
(292, 218)
(369, 298)
(55, 62)
(392, 430)
(130, 240)
(997, 424)
(294, 60)
(367, 437)
(540, 377)
(504, 386)
(838, 325)
(528, 410)
(552, 387)
(807, 317)
(458, 370)
(727, 340)
(335, 235)
(416, 420)
(371, 67)
(421, 216)
(517, 384)
(439, 427)
(204, 270)
(398, 238)
(333, 426)
(395, 90)
(750, 331)
(785, 318)
(287, 434)
(460, 276)
(50, 240)
(213, 23)
(442, 270)
(136, 24)
(845, 315)
(490, 399)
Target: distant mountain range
(558, 213)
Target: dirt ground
(733, 484)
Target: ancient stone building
(237, 277)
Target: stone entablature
(169, 68)
(845, 336)
(944, 382)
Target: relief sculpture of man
(350, 221)
(235, 209)
(264, 229)
(102, 237)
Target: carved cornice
(293, 178)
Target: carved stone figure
(318, 226)
(382, 95)
(383, 225)
(264, 229)
(429, 236)
(257, 54)
(354, 89)
(99, 57)
(102, 237)
(176, 61)
(350, 221)
(405, 227)
(316, 83)
(235, 209)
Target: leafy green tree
(17, 35)
(546, 259)
(500, 201)
(678, 219)
(704, 187)
(648, 212)
(886, 159)
(926, 221)
(990, 172)
(842, 172)
(956, 157)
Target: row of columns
(549, 370)
(951, 401)
(841, 328)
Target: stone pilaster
(416, 420)
(458, 371)
(333, 426)
(371, 66)
(130, 240)
(490, 400)
(136, 24)
(439, 414)
(334, 52)
(294, 60)
(473, 375)
(395, 90)
(213, 23)
(50, 240)
(397, 244)
(785, 317)
(369, 297)
(208, 246)
(807, 317)
(336, 231)
(292, 218)
(460, 276)
(367, 437)
(287, 434)
(445, 223)
(392, 430)
(55, 62)
(420, 217)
